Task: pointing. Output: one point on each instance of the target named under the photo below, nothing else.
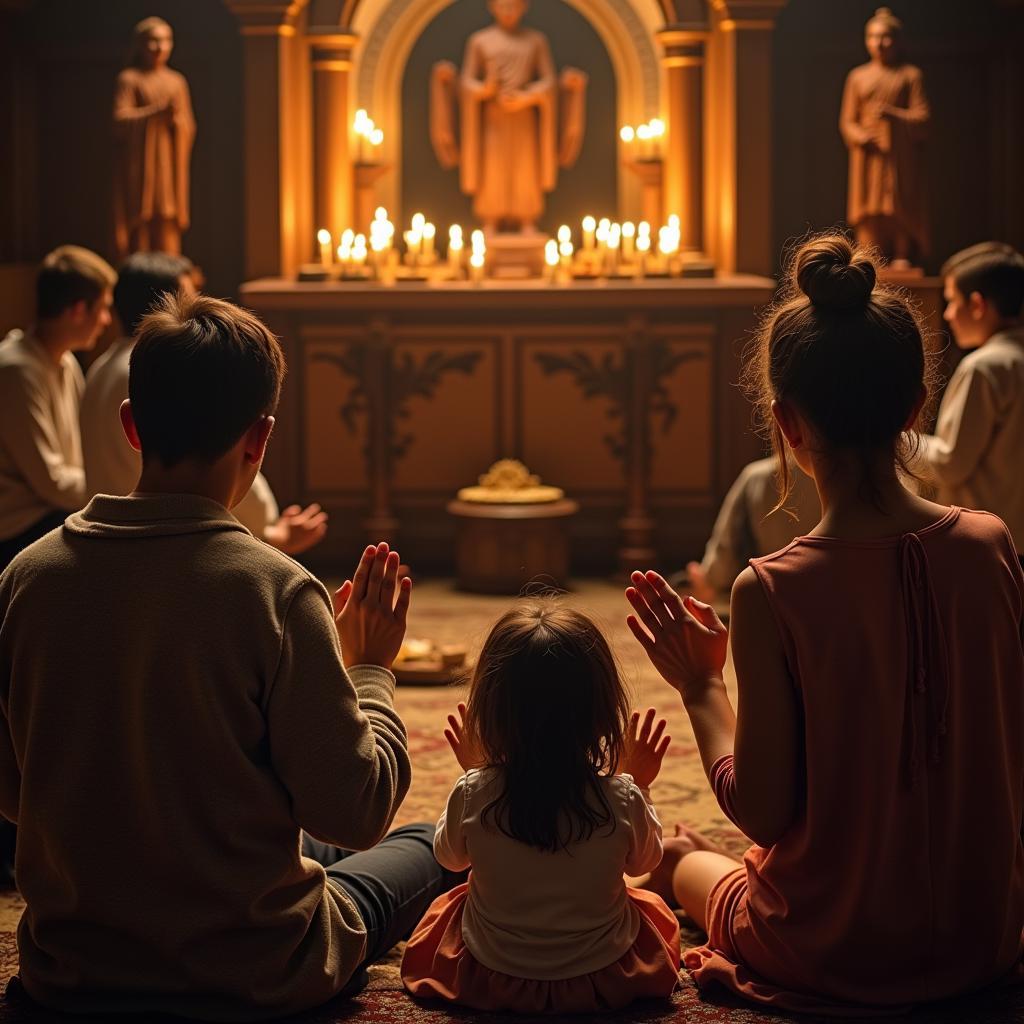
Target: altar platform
(622, 392)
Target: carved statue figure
(518, 123)
(154, 130)
(884, 122)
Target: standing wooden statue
(884, 122)
(518, 122)
(154, 130)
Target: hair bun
(834, 275)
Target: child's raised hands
(467, 751)
(644, 748)
(684, 638)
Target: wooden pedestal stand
(502, 548)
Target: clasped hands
(370, 610)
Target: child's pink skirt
(437, 965)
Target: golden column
(683, 61)
(331, 53)
(738, 225)
(276, 135)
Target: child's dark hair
(142, 280)
(995, 271)
(68, 275)
(202, 372)
(847, 352)
(548, 707)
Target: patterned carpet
(680, 794)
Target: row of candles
(611, 248)
(361, 255)
(607, 248)
(368, 134)
(644, 141)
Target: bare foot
(674, 848)
(699, 586)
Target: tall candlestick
(429, 230)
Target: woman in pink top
(876, 758)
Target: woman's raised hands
(684, 638)
(370, 609)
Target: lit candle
(429, 231)
(380, 214)
(551, 256)
(476, 240)
(418, 221)
(564, 235)
(376, 138)
(628, 234)
(657, 127)
(323, 236)
(589, 228)
(476, 267)
(565, 251)
(627, 134)
(614, 237)
(359, 252)
(643, 133)
(643, 245)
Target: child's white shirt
(547, 916)
(974, 456)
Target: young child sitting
(553, 808)
(974, 456)
(875, 759)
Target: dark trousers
(391, 885)
(10, 546)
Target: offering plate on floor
(422, 661)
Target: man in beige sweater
(974, 456)
(183, 738)
(41, 474)
(112, 466)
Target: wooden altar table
(623, 393)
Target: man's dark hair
(202, 372)
(142, 280)
(69, 275)
(995, 271)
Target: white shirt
(40, 448)
(975, 455)
(534, 914)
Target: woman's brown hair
(548, 707)
(845, 351)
